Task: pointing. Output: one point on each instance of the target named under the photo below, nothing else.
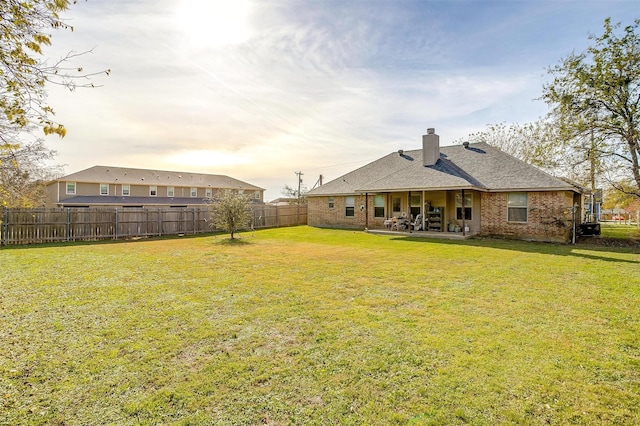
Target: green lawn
(310, 326)
(619, 230)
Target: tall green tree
(595, 100)
(25, 72)
(230, 211)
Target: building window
(71, 188)
(170, 191)
(396, 206)
(517, 207)
(208, 193)
(104, 189)
(416, 205)
(332, 202)
(194, 192)
(153, 190)
(468, 202)
(350, 206)
(378, 206)
(256, 195)
(240, 191)
(126, 190)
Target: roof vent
(400, 152)
(465, 144)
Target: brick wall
(549, 216)
(319, 213)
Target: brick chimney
(430, 147)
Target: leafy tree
(230, 211)
(595, 100)
(24, 75)
(24, 174)
(534, 143)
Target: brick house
(128, 187)
(462, 190)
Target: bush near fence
(32, 226)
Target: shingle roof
(109, 174)
(480, 166)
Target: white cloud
(263, 89)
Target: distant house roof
(122, 175)
(478, 166)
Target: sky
(259, 90)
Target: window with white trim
(517, 207)
(350, 206)
(71, 188)
(104, 189)
(126, 190)
(468, 203)
(208, 193)
(332, 202)
(378, 206)
(153, 190)
(256, 195)
(194, 192)
(170, 191)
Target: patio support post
(464, 214)
(424, 212)
(366, 210)
(409, 205)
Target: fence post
(115, 228)
(68, 224)
(5, 226)
(193, 213)
(159, 222)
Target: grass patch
(314, 326)
(618, 230)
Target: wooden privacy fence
(30, 226)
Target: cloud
(302, 85)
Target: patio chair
(417, 224)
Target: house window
(153, 190)
(126, 190)
(208, 193)
(416, 204)
(350, 206)
(395, 206)
(170, 191)
(378, 206)
(468, 202)
(71, 188)
(332, 202)
(104, 189)
(256, 195)
(241, 191)
(517, 207)
(194, 192)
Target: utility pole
(299, 173)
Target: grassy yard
(309, 326)
(619, 230)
